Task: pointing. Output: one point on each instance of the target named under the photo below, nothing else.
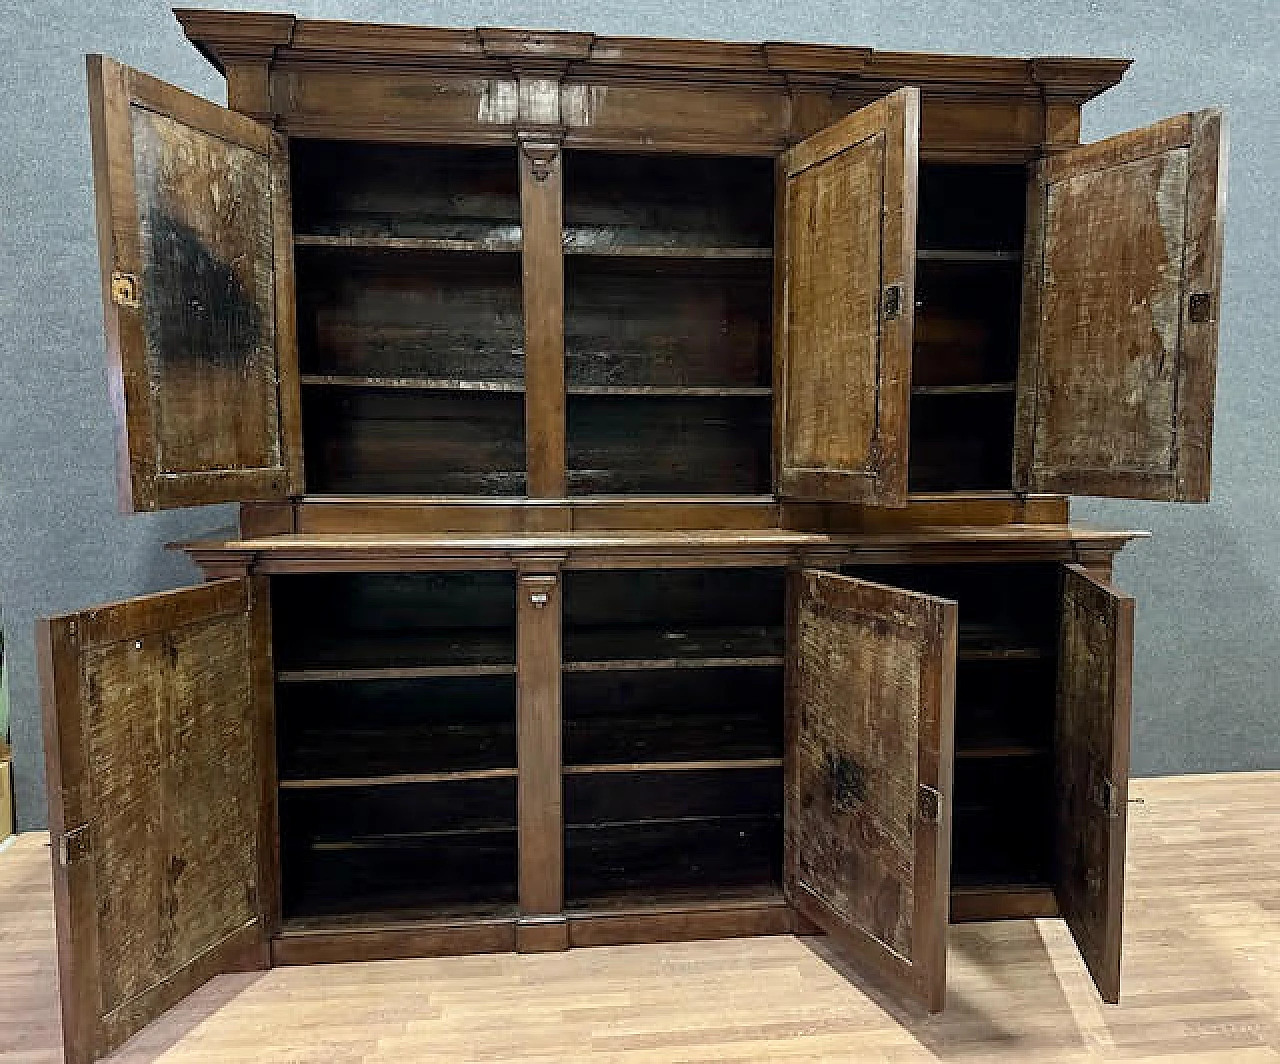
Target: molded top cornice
(223, 36)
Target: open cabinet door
(157, 718)
(1091, 748)
(1120, 314)
(194, 239)
(870, 735)
(844, 286)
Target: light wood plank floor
(1201, 979)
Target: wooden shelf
(997, 750)
(607, 649)
(332, 782)
(682, 739)
(577, 248)
(984, 642)
(461, 652)
(366, 745)
(635, 767)
(962, 255)
(422, 384)
(992, 388)
(672, 391)
(499, 245)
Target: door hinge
(929, 805)
(891, 302)
(1108, 799)
(73, 847)
(124, 289)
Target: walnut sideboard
(653, 460)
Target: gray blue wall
(1208, 659)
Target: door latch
(124, 289)
(891, 302)
(929, 805)
(73, 847)
(1200, 307)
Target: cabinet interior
(411, 325)
(668, 281)
(396, 744)
(410, 318)
(672, 702)
(1006, 674)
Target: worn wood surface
(842, 362)
(156, 714)
(1122, 257)
(1091, 749)
(870, 721)
(1200, 977)
(192, 271)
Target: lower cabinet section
(359, 765)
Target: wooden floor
(1201, 979)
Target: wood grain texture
(1202, 985)
(542, 207)
(1091, 745)
(156, 713)
(1121, 290)
(194, 273)
(847, 244)
(871, 718)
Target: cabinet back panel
(357, 729)
(659, 832)
(659, 323)
(374, 441)
(673, 597)
(667, 200)
(412, 848)
(961, 443)
(966, 329)
(672, 715)
(1002, 828)
(974, 207)
(622, 445)
(387, 619)
(355, 189)
(410, 314)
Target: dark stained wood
(541, 825)
(714, 919)
(424, 939)
(1120, 314)
(1091, 749)
(870, 719)
(841, 351)
(541, 200)
(997, 903)
(157, 711)
(197, 294)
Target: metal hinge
(1108, 800)
(73, 847)
(929, 805)
(891, 302)
(124, 289)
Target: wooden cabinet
(636, 443)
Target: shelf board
(392, 672)
(671, 391)
(684, 738)
(672, 766)
(404, 840)
(489, 245)
(965, 255)
(994, 750)
(335, 782)
(665, 251)
(762, 661)
(992, 388)
(606, 649)
(983, 642)
(676, 900)
(364, 744)
(695, 821)
(423, 384)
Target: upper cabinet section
(1120, 314)
(193, 223)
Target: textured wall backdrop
(1208, 585)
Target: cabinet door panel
(195, 245)
(1120, 314)
(845, 280)
(157, 743)
(1091, 749)
(870, 732)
